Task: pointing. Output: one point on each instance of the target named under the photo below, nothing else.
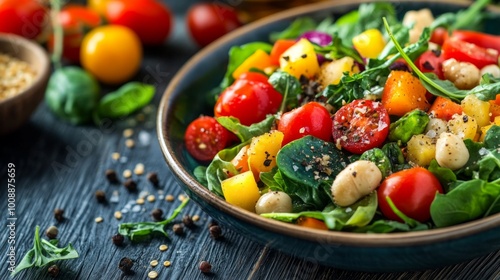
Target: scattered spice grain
(153, 274)
(100, 196)
(151, 198)
(163, 247)
(139, 169)
(118, 215)
(118, 239)
(215, 232)
(205, 267)
(59, 214)
(140, 201)
(130, 185)
(196, 218)
(129, 143)
(52, 232)
(178, 229)
(153, 263)
(157, 214)
(127, 173)
(188, 221)
(181, 197)
(153, 178)
(53, 271)
(99, 220)
(169, 198)
(111, 176)
(125, 265)
(115, 156)
(167, 263)
(127, 133)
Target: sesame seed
(151, 198)
(163, 247)
(152, 274)
(129, 143)
(195, 218)
(153, 263)
(167, 263)
(127, 133)
(127, 173)
(118, 215)
(99, 219)
(169, 198)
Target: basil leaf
(246, 133)
(126, 100)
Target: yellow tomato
(112, 53)
(98, 6)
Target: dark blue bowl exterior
(186, 102)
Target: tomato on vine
(25, 18)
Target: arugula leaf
(44, 253)
(244, 132)
(238, 54)
(140, 231)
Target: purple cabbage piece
(317, 37)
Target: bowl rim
(40, 53)
(398, 239)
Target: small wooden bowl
(17, 109)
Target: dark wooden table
(61, 166)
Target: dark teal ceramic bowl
(184, 100)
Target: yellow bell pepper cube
(258, 60)
(370, 43)
(241, 190)
(485, 129)
(300, 59)
(262, 152)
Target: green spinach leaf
(243, 132)
(287, 85)
(124, 101)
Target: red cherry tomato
(412, 192)
(151, 20)
(439, 35)
(309, 119)
(431, 61)
(360, 125)
(25, 18)
(209, 21)
(467, 52)
(250, 99)
(205, 137)
(76, 20)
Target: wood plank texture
(61, 166)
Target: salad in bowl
(347, 133)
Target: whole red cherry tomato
(250, 99)
(360, 125)
(468, 52)
(309, 119)
(431, 61)
(412, 192)
(25, 18)
(151, 20)
(76, 21)
(205, 137)
(209, 21)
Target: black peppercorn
(125, 265)
(215, 232)
(188, 221)
(118, 239)
(131, 185)
(157, 214)
(205, 267)
(111, 176)
(100, 196)
(178, 229)
(53, 270)
(153, 178)
(52, 232)
(212, 223)
(59, 214)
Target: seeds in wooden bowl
(15, 76)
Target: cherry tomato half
(309, 119)
(205, 137)
(431, 62)
(412, 192)
(25, 18)
(151, 20)
(468, 52)
(76, 20)
(250, 99)
(209, 21)
(360, 125)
